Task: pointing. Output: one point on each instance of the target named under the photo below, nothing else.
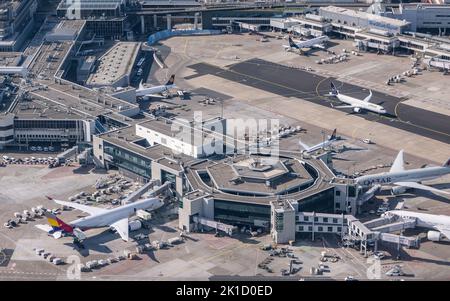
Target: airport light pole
(398, 245)
(323, 138)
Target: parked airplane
(312, 43)
(403, 179)
(116, 218)
(441, 223)
(309, 149)
(356, 104)
(155, 90)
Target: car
(379, 255)
(284, 272)
(395, 271)
(367, 141)
(350, 278)
(372, 212)
(8, 225)
(380, 211)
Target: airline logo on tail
(57, 224)
(171, 80)
(291, 43)
(447, 164)
(334, 90)
(333, 136)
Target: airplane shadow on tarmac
(406, 257)
(96, 243)
(429, 195)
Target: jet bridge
(410, 242)
(397, 226)
(228, 229)
(368, 195)
(384, 225)
(248, 26)
(144, 189)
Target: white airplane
(403, 179)
(116, 218)
(155, 90)
(312, 43)
(356, 104)
(440, 223)
(309, 149)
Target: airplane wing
(343, 107)
(45, 228)
(121, 227)
(88, 209)
(154, 96)
(367, 99)
(421, 187)
(49, 229)
(443, 230)
(320, 46)
(398, 163)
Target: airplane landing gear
(78, 243)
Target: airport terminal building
(423, 17)
(372, 32)
(215, 184)
(222, 191)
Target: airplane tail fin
(447, 164)
(57, 224)
(333, 135)
(171, 80)
(334, 90)
(291, 43)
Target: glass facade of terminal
(319, 202)
(168, 177)
(130, 161)
(246, 213)
(240, 213)
(46, 124)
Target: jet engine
(398, 190)
(434, 236)
(356, 110)
(134, 225)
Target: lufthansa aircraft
(155, 90)
(309, 149)
(356, 104)
(312, 43)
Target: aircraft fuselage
(413, 175)
(111, 216)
